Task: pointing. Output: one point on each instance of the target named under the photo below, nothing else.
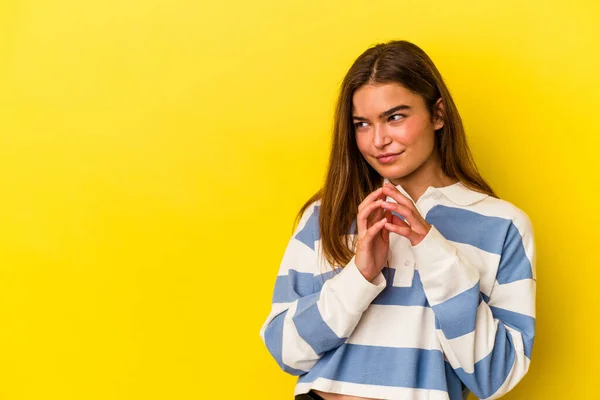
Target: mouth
(388, 158)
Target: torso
(382, 328)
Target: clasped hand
(375, 221)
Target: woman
(406, 277)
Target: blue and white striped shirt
(453, 314)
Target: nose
(381, 138)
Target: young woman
(406, 276)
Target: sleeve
(487, 341)
(306, 321)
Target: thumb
(385, 234)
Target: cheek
(408, 133)
(362, 142)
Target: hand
(416, 228)
(373, 239)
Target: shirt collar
(457, 193)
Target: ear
(438, 120)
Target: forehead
(379, 97)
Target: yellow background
(153, 155)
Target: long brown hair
(349, 177)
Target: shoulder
(500, 208)
(518, 253)
(479, 207)
(307, 230)
(311, 212)
(518, 248)
(478, 214)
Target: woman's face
(393, 129)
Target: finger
(399, 226)
(397, 208)
(399, 197)
(373, 231)
(399, 221)
(409, 213)
(374, 195)
(388, 214)
(385, 233)
(400, 230)
(363, 215)
(377, 214)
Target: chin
(395, 174)
(391, 171)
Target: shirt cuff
(444, 272)
(354, 290)
(433, 248)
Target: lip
(388, 157)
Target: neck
(428, 174)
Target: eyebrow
(385, 113)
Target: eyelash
(390, 118)
(395, 115)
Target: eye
(359, 125)
(396, 117)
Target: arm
(306, 321)
(488, 344)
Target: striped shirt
(452, 315)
